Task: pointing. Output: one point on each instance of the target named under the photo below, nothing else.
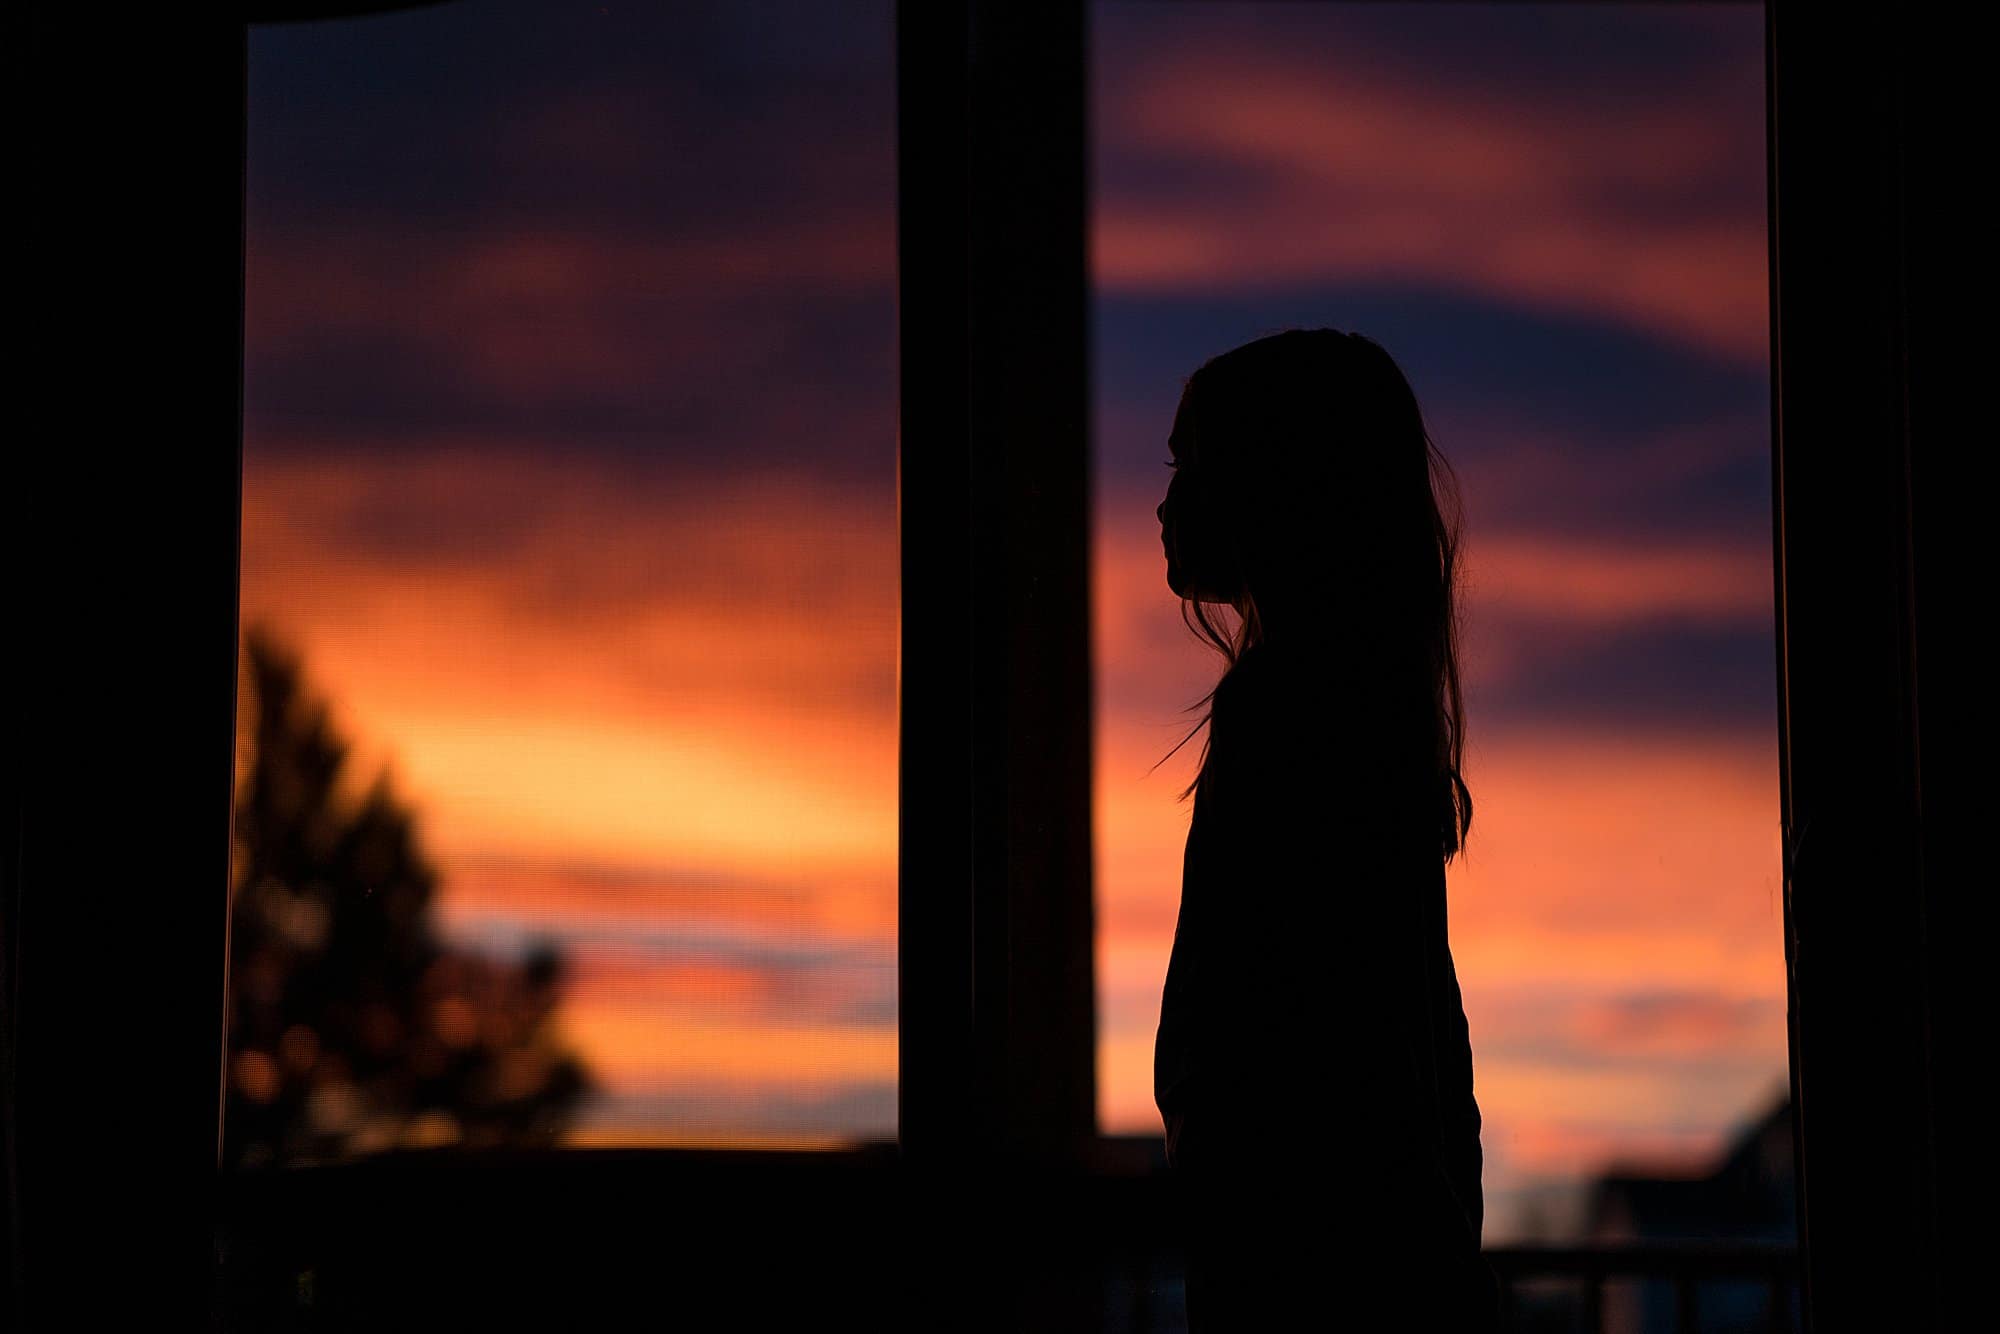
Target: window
(570, 510)
(1554, 218)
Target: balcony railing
(1652, 1288)
(1685, 1288)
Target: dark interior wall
(122, 486)
(1875, 267)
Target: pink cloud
(1303, 167)
(550, 308)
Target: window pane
(1553, 217)
(567, 746)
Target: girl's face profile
(1190, 530)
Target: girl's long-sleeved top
(1312, 1020)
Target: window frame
(998, 1028)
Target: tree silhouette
(352, 1026)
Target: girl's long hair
(1322, 462)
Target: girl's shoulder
(1254, 668)
(1242, 693)
(1261, 682)
(1285, 708)
(1263, 708)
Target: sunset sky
(570, 467)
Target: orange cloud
(1598, 582)
(579, 894)
(627, 675)
(634, 1041)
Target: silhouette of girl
(1312, 1064)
